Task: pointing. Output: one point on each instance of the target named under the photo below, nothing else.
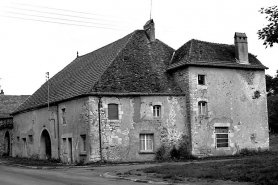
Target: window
(64, 145)
(201, 79)
(146, 142)
(202, 107)
(64, 116)
(83, 143)
(222, 137)
(30, 138)
(156, 111)
(113, 112)
(17, 138)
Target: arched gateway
(7, 144)
(45, 147)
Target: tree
(272, 101)
(270, 32)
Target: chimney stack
(150, 31)
(241, 48)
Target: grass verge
(261, 169)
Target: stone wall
(120, 138)
(235, 99)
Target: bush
(181, 153)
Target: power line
(61, 14)
(60, 18)
(61, 23)
(65, 10)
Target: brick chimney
(150, 31)
(241, 48)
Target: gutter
(97, 94)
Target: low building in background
(8, 103)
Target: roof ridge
(212, 42)
(114, 57)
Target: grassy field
(258, 167)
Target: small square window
(156, 111)
(30, 138)
(64, 116)
(202, 108)
(83, 143)
(201, 80)
(222, 137)
(113, 111)
(146, 142)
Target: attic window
(201, 79)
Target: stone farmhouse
(125, 100)
(8, 103)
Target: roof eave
(242, 66)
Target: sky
(44, 36)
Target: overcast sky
(44, 36)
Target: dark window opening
(201, 79)
(64, 116)
(113, 111)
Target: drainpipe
(99, 128)
(58, 132)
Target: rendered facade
(125, 100)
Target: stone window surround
(205, 79)
(105, 103)
(83, 144)
(229, 133)
(161, 110)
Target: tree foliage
(270, 32)
(272, 101)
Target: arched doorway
(45, 147)
(7, 144)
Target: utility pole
(47, 79)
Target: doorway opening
(7, 149)
(45, 145)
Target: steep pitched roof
(8, 103)
(196, 52)
(128, 65)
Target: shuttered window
(113, 111)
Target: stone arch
(45, 145)
(7, 143)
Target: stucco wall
(78, 114)
(236, 99)
(4, 142)
(33, 123)
(120, 138)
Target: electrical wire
(60, 14)
(61, 23)
(65, 10)
(59, 18)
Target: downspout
(58, 133)
(99, 128)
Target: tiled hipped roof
(131, 64)
(8, 103)
(201, 53)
